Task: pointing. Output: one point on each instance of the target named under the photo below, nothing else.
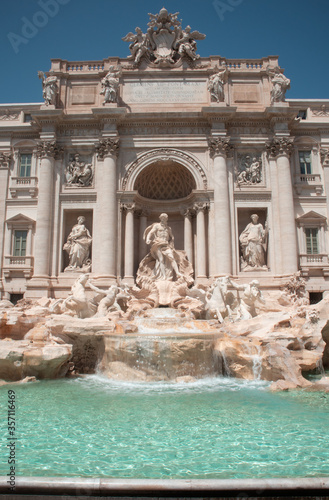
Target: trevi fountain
(167, 379)
(160, 337)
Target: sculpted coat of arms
(165, 42)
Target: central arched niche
(165, 180)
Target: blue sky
(296, 30)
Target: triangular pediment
(20, 218)
(312, 215)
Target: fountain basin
(218, 428)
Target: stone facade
(209, 141)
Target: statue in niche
(216, 85)
(49, 86)
(160, 237)
(164, 262)
(253, 240)
(78, 247)
(79, 173)
(280, 84)
(139, 45)
(250, 171)
(110, 85)
(251, 294)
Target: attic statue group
(164, 277)
(165, 44)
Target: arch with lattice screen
(164, 180)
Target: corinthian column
(222, 252)
(142, 226)
(281, 148)
(188, 235)
(129, 242)
(46, 151)
(201, 239)
(106, 225)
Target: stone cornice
(218, 113)
(108, 147)
(283, 112)
(47, 116)
(109, 115)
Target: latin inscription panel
(83, 94)
(177, 91)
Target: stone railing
(85, 67)
(308, 181)
(308, 178)
(19, 184)
(245, 64)
(314, 259)
(18, 264)
(317, 263)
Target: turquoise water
(214, 428)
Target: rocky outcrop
(21, 358)
(280, 346)
(86, 336)
(325, 336)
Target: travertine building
(209, 141)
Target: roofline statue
(165, 42)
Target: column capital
(128, 207)
(49, 149)
(200, 206)
(5, 159)
(280, 146)
(187, 212)
(219, 146)
(324, 152)
(143, 211)
(107, 147)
